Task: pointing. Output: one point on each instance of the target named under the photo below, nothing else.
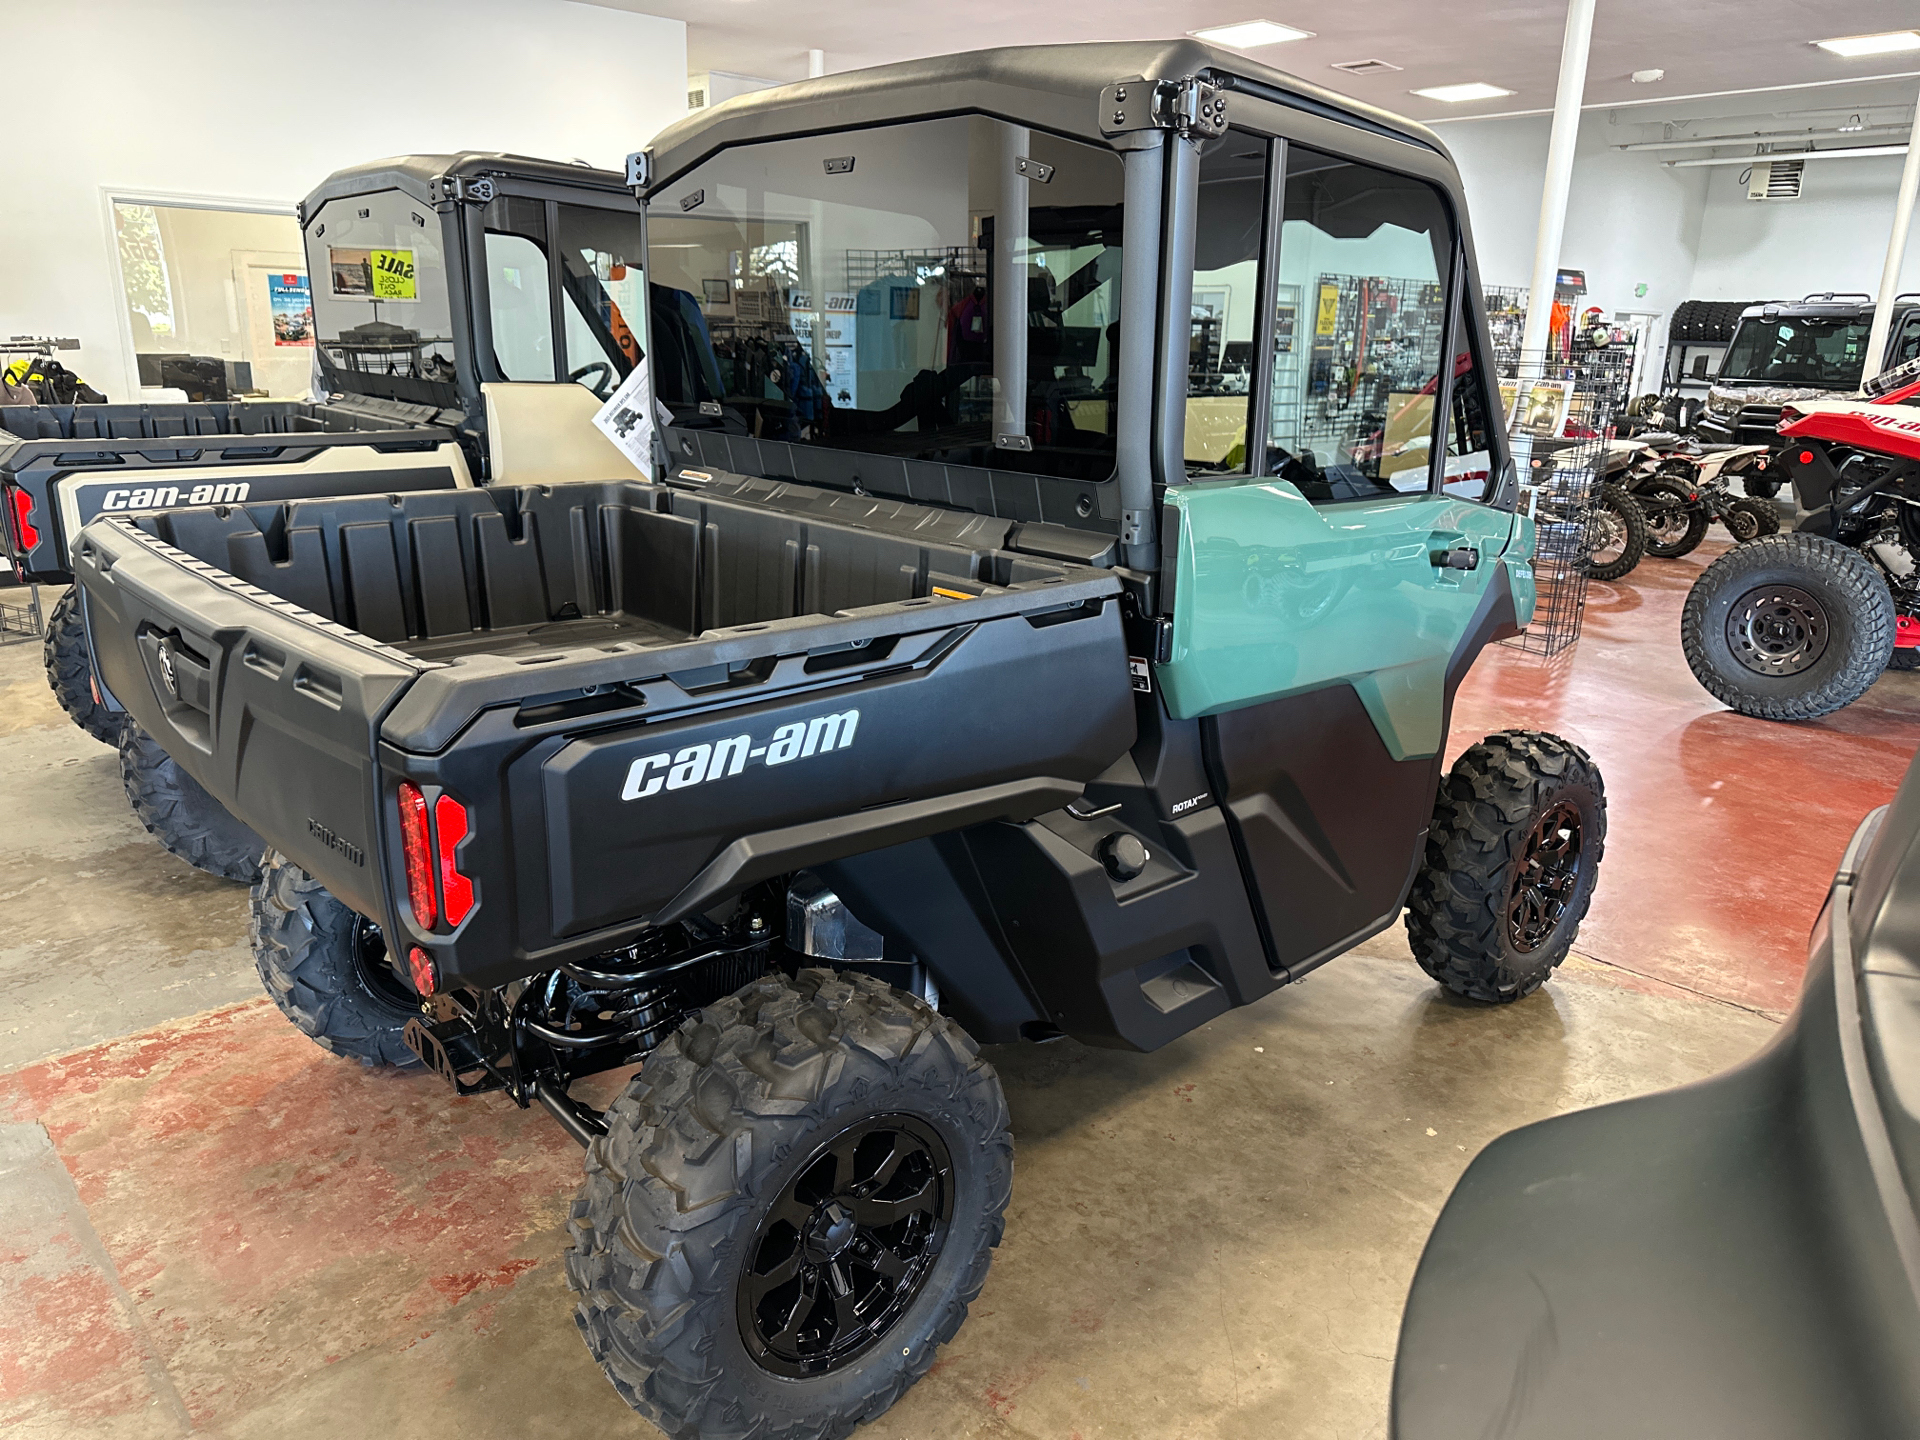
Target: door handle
(1460, 557)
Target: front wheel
(1676, 520)
(70, 670)
(1512, 856)
(1750, 519)
(181, 815)
(1616, 534)
(794, 1203)
(1788, 627)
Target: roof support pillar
(1553, 199)
(1896, 254)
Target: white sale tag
(627, 418)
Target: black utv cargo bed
(614, 679)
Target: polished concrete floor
(209, 1226)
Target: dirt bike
(1684, 487)
(1795, 626)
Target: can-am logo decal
(166, 497)
(697, 764)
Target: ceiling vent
(1775, 180)
(1365, 67)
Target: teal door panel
(1276, 596)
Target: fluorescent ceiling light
(1250, 34)
(1891, 42)
(1454, 94)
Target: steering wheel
(602, 387)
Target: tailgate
(271, 707)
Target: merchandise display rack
(1561, 489)
(21, 621)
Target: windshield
(857, 290)
(1830, 353)
(381, 306)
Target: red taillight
(450, 825)
(419, 854)
(23, 520)
(1806, 457)
(420, 964)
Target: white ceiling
(1705, 46)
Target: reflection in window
(1469, 458)
(382, 308)
(946, 290)
(1226, 278)
(1364, 250)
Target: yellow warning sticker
(1324, 322)
(393, 275)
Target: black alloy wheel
(1546, 879)
(846, 1247)
(1777, 630)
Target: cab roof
(420, 175)
(1056, 87)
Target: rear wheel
(1788, 627)
(1512, 856)
(793, 1205)
(326, 967)
(1616, 534)
(181, 815)
(1676, 520)
(1760, 489)
(1750, 519)
(70, 670)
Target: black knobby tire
(1625, 512)
(1492, 910)
(1751, 520)
(181, 815)
(702, 1153)
(1848, 630)
(1760, 489)
(1676, 521)
(70, 670)
(1904, 659)
(325, 967)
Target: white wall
(261, 99)
(1630, 220)
(1834, 237)
(1689, 234)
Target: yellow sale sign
(393, 275)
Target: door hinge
(639, 172)
(1191, 107)
(469, 190)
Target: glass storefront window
(218, 302)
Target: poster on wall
(839, 362)
(290, 299)
(350, 272)
(1544, 409)
(1328, 314)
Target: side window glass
(1469, 453)
(519, 288)
(1909, 343)
(603, 294)
(1364, 251)
(1226, 285)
